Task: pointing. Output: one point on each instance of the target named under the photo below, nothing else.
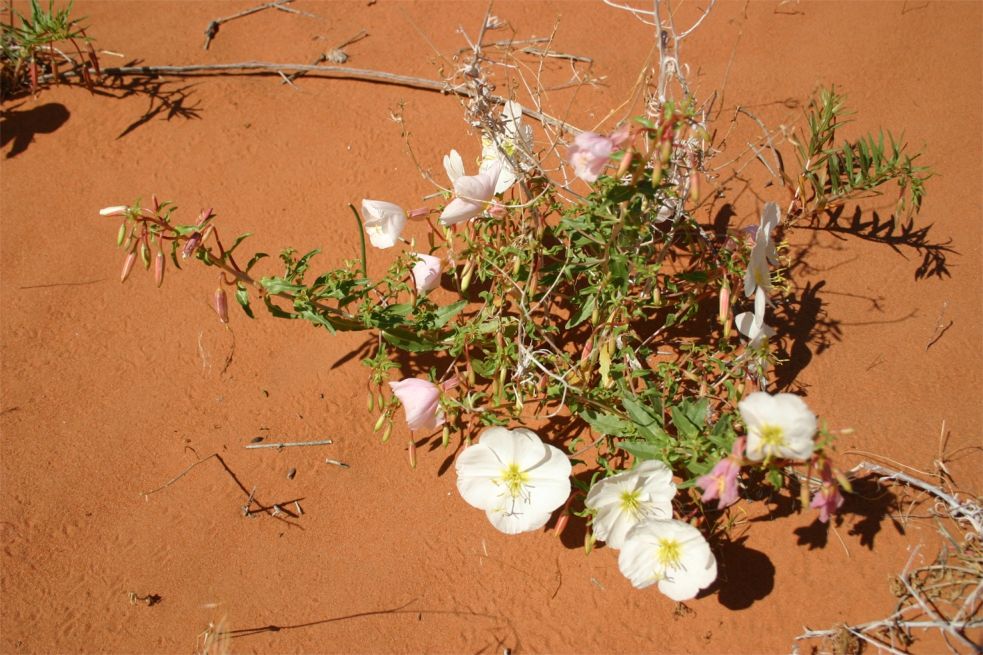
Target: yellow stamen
(514, 479)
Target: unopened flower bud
(561, 524)
(379, 421)
(221, 303)
(387, 432)
(844, 482)
(419, 212)
(626, 161)
(153, 197)
(121, 234)
(159, 268)
(204, 216)
(694, 188)
(723, 312)
(370, 402)
(127, 266)
(656, 173)
(115, 210)
(588, 543)
(445, 436)
(466, 276)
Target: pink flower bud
(419, 212)
(159, 268)
(426, 272)
(127, 266)
(724, 311)
(421, 402)
(497, 210)
(221, 303)
(204, 216)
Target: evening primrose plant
(604, 301)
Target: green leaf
(445, 314)
(642, 451)
(316, 319)
(648, 423)
(408, 341)
(586, 309)
(242, 296)
(275, 310)
(606, 423)
(276, 285)
(255, 258)
(689, 417)
(235, 244)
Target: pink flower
(829, 499)
(473, 193)
(421, 401)
(591, 152)
(426, 272)
(721, 483)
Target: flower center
(669, 553)
(630, 503)
(514, 479)
(772, 436)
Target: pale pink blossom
(829, 499)
(473, 193)
(421, 402)
(591, 152)
(721, 483)
(426, 272)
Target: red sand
(109, 390)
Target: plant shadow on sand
(166, 99)
(21, 126)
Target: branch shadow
(20, 127)
(870, 502)
(898, 234)
(165, 99)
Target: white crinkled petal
(501, 441)
(458, 210)
(521, 520)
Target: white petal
(458, 210)
(501, 441)
(453, 166)
(477, 468)
(514, 523)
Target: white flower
(624, 499)
(752, 325)
(763, 252)
(454, 166)
(473, 192)
(671, 553)
(426, 272)
(115, 210)
(515, 141)
(516, 478)
(778, 427)
(384, 222)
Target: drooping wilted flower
(384, 222)
(721, 483)
(421, 402)
(778, 427)
(828, 499)
(624, 499)
(426, 272)
(752, 324)
(763, 252)
(517, 479)
(670, 553)
(591, 152)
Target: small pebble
(255, 439)
(291, 473)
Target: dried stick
(364, 74)
(288, 444)
(179, 475)
(213, 26)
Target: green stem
(361, 234)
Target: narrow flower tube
(115, 210)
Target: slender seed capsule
(121, 234)
(159, 268)
(561, 524)
(145, 254)
(845, 484)
(379, 421)
(411, 450)
(370, 402)
(221, 303)
(588, 543)
(466, 277)
(626, 161)
(445, 436)
(127, 266)
(387, 433)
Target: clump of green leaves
(31, 51)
